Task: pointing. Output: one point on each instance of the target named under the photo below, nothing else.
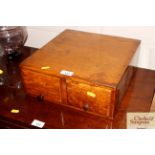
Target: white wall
(145, 57)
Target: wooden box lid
(100, 59)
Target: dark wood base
(137, 99)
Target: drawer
(44, 85)
(89, 98)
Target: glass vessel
(12, 38)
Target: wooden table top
(12, 96)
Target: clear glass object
(12, 38)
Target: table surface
(138, 98)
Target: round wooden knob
(86, 107)
(1, 81)
(40, 98)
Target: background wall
(145, 56)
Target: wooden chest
(86, 71)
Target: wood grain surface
(138, 98)
(100, 59)
(98, 64)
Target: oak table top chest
(81, 70)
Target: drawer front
(89, 98)
(37, 84)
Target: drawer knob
(86, 107)
(40, 98)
